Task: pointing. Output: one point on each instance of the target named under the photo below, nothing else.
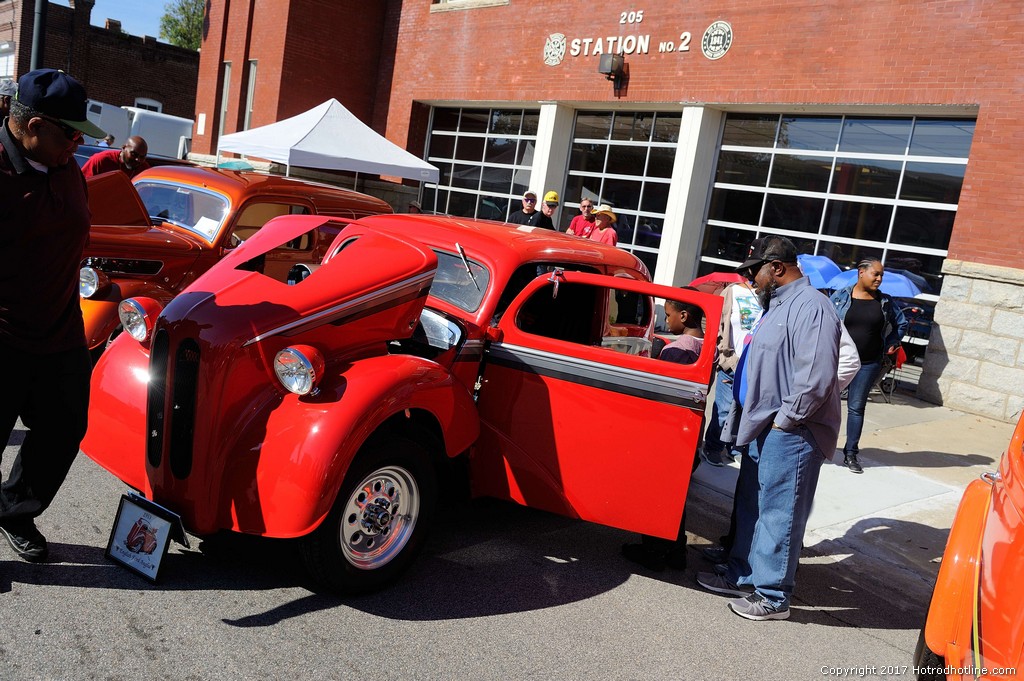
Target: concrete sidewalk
(918, 458)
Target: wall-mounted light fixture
(614, 68)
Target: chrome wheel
(379, 517)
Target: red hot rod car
(327, 408)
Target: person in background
(415, 207)
(529, 215)
(44, 227)
(740, 312)
(604, 230)
(8, 89)
(877, 326)
(129, 159)
(548, 207)
(107, 141)
(686, 321)
(786, 408)
(583, 224)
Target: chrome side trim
(603, 376)
(369, 301)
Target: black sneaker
(850, 461)
(655, 561)
(27, 541)
(712, 458)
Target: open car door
(577, 418)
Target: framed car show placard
(141, 535)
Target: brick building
(883, 127)
(115, 67)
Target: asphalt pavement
(895, 517)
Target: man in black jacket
(44, 227)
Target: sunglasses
(751, 272)
(586, 206)
(529, 200)
(70, 133)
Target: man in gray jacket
(787, 411)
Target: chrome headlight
(300, 369)
(138, 316)
(91, 281)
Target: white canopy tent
(328, 137)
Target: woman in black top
(876, 325)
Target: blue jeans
(719, 412)
(856, 400)
(774, 493)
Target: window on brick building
(846, 187)
(485, 157)
(250, 94)
(624, 159)
(225, 92)
(149, 104)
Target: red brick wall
(783, 55)
(308, 51)
(114, 67)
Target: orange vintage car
(974, 628)
(423, 356)
(154, 235)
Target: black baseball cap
(769, 248)
(56, 94)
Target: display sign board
(142, 532)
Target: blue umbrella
(818, 268)
(896, 285)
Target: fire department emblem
(554, 49)
(717, 40)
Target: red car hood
(139, 242)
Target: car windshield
(455, 284)
(199, 211)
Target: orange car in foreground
(974, 628)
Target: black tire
(363, 545)
(929, 665)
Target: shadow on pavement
(871, 458)
(493, 558)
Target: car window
(200, 211)
(590, 315)
(455, 284)
(254, 215)
(524, 274)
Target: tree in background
(182, 23)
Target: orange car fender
(951, 610)
(100, 312)
(308, 443)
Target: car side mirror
(494, 334)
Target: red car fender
(100, 313)
(298, 470)
(116, 438)
(951, 611)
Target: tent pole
(218, 158)
(355, 182)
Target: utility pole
(38, 36)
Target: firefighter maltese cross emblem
(554, 49)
